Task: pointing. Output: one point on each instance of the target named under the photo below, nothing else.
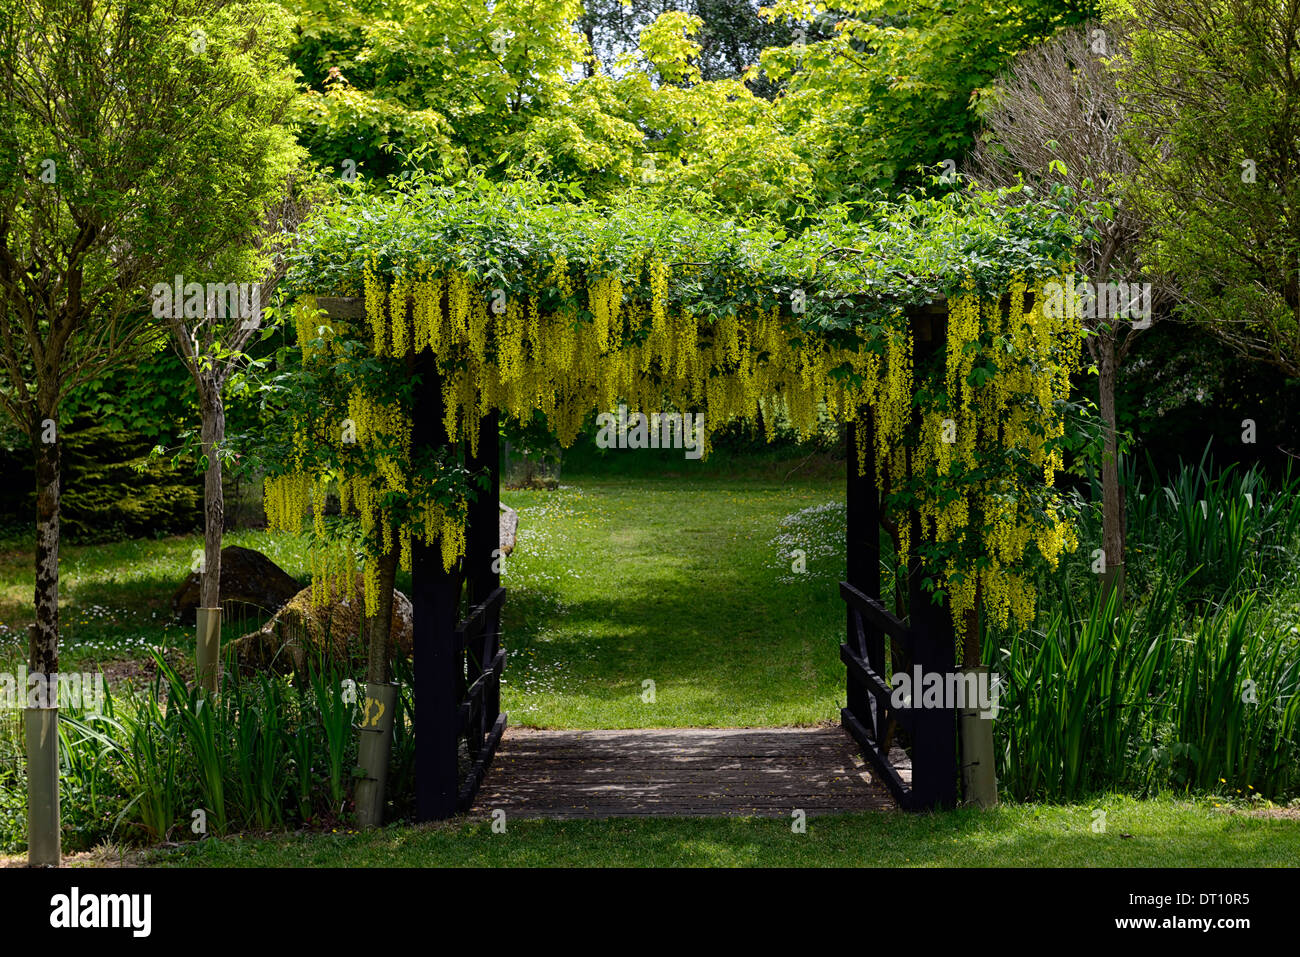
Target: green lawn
(683, 580)
(114, 598)
(619, 582)
(615, 582)
(1159, 832)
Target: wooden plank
(935, 736)
(680, 772)
(483, 526)
(703, 803)
(806, 769)
(861, 672)
(482, 569)
(545, 759)
(633, 753)
(342, 307)
(479, 614)
(776, 786)
(475, 690)
(862, 504)
(476, 775)
(355, 306)
(862, 541)
(934, 744)
(704, 745)
(614, 801)
(564, 813)
(824, 734)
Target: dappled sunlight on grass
(1160, 831)
(115, 598)
(619, 582)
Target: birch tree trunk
(41, 723)
(212, 435)
(43, 643)
(1112, 495)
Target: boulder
(303, 633)
(246, 576)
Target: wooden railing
(478, 643)
(928, 779)
(878, 644)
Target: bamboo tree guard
(375, 742)
(41, 741)
(207, 647)
(41, 729)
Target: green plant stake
(207, 645)
(42, 728)
(374, 744)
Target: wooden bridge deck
(679, 772)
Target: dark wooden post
(482, 563)
(862, 555)
(439, 670)
(482, 537)
(934, 739)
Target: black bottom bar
(902, 793)
(475, 778)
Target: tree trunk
(381, 625)
(212, 435)
(972, 650)
(207, 637)
(41, 722)
(43, 643)
(1112, 495)
(375, 734)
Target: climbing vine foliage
(528, 304)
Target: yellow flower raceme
(628, 345)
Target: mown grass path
(618, 584)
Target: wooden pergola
(459, 661)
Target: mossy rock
(247, 578)
(306, 634)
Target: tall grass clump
(13, 784)
(1192, 681)
(1225, 531)
(167, 761)
(1149, 697)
